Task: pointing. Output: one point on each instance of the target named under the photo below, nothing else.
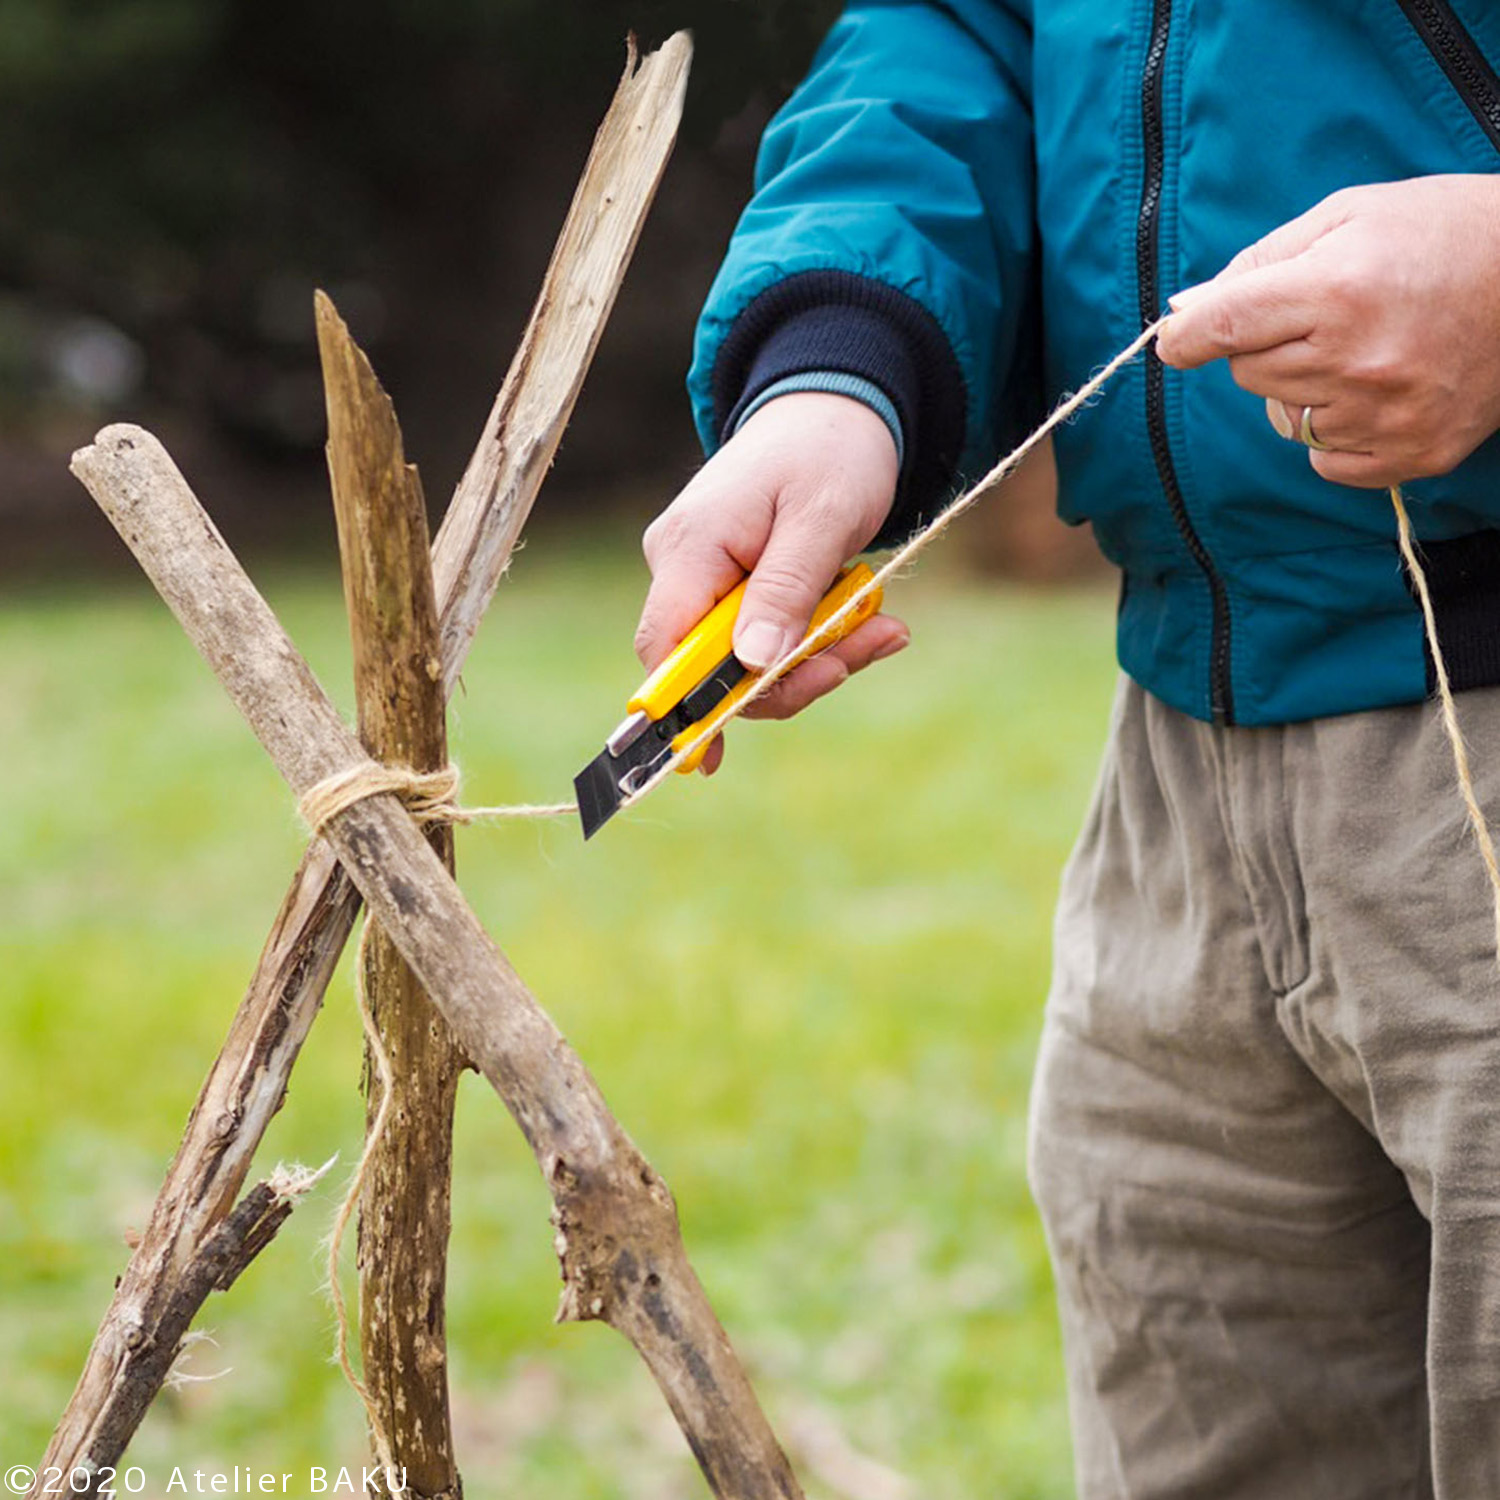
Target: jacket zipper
(1220, 691)
(1468, 69)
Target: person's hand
(1378, 314)
(800, 488)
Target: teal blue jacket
(969, 205)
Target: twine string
(1449, 711)
(430, 796)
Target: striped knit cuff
(837, 383)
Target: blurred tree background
(176, 176)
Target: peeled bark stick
(618, 1239)
(248, 1079)
(398, 677)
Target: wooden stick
(248, 1079)
(617, 1234)
(398, 680)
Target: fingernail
(892, 647)
(1180, 301)
(759, 644)
(1280, 420)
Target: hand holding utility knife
(699, 680)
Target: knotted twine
(430, 796)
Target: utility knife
(699, 680)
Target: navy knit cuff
(837, 321)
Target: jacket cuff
(836, 321)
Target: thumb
(1259, 300)
(799, 562)
(1265, 307)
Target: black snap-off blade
(641, 746)
(636, 749)
(599, 795)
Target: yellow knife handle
(711, 641)
(696, 655)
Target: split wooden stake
(398, 682)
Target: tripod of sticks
(442, 993)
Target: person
(1264, 1136)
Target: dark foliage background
(176, 176)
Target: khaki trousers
(1265, 1129)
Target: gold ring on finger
(1305, 433)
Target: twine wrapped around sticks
(429, 796)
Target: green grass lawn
(809, 988)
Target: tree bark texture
(404, 1209)
(248, 1079)
(618, 1241)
